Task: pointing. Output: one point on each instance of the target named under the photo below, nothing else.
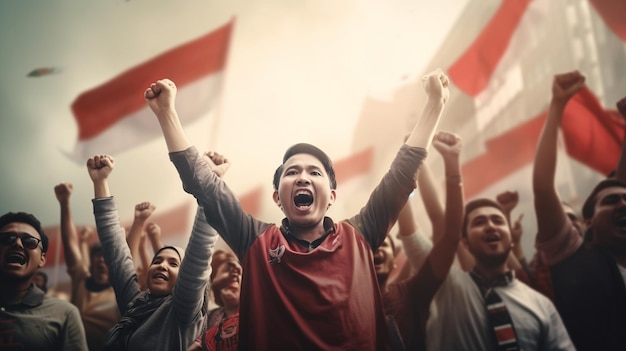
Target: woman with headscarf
(171, 313)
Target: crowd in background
(312, 282)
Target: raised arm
(84, 236)
(416, 245)
(620, 171)
(436, 213)
(386, 201)
(153, 231)
(153, 234)
(143, 211)
(69, 234)
(122, 272)
(509, 200)
(548, 208)
(432, 201)
(190, 292)
(161, 96)
(444, 250)
(144, 258)
(223, 209)
(436, 87)
(99, 168)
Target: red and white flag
(612, 12)
(593, 136)
(496, 47)
(490, 73)
(114, 116)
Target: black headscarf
(139, 310)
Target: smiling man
(589, 278)
(309, 283)
(587, 274)
(488, 308)
(30, 319)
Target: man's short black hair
(590, 203)
(478, 203)
(27, 218)
(304, 148)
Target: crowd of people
(312, 282)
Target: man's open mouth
(303, 199)
(16, 257)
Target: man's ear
(277, 199)
(42, 262)
(333, 197)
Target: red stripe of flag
(473, 70)
(613, 13)
(504, 155)
(593, 135)
(355, 165)
(101, 107)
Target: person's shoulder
(53, 300)
(531, 293)
(457, 279)
(58, 304)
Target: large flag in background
(502, 40)
(592, 134)
(114, 117)
(504, 155)
(474, 69)
(612, 12)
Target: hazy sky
(297, 71)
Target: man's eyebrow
(293, 166)
(479, 217)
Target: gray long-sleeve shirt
(177, 322)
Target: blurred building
(564, 35)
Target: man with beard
(468, 303)
(91, 291)
(30, 319)
(587, 272)
(588, 278)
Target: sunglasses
(29, 242)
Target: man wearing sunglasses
(30, 319)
